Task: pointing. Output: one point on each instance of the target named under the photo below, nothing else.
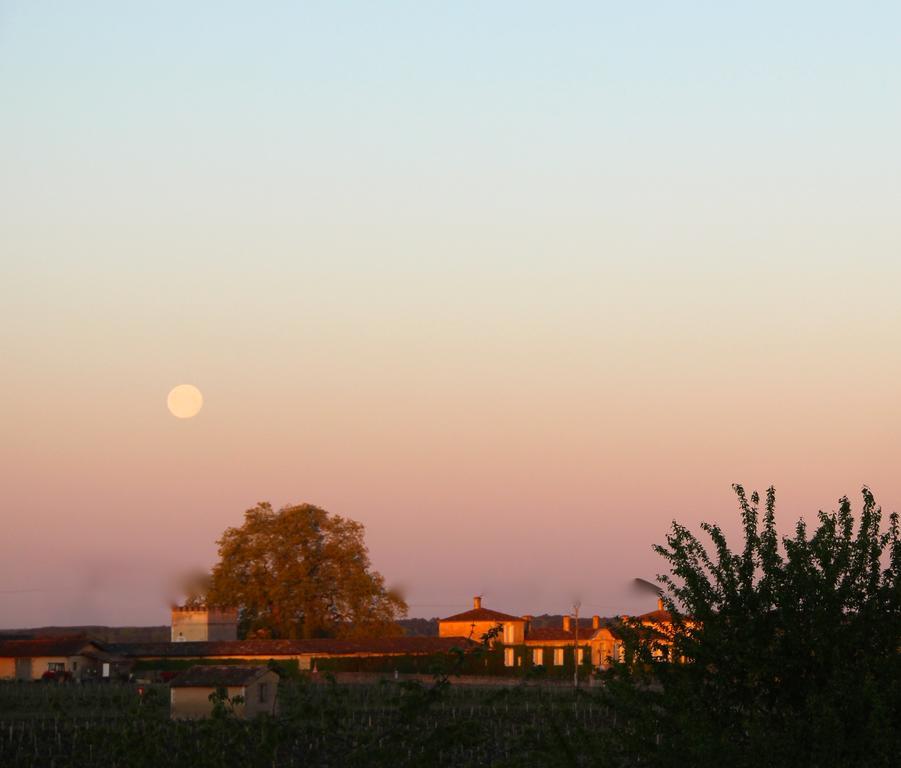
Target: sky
(514, 284)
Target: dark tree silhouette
(792, 647)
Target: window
(56, 666)
(264, 692)
(508, 657)
(558, 657)
(580, 656)
(74, 666)
(538, 656)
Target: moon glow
(185, 401)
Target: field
(388, 724)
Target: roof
(482, 614)
(61, 645)
(613, 629)
(208, 676)
(271, 648)
(657, 617)
(547, 634)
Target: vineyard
(390, 724)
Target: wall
(253, 706)
(604, 647)
(195, 704)
(7, 668)
(485, 681)
(41, 664)
(465, 628)
(33, 669)
(204, 625)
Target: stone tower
(204, 624)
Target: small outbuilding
(62, 657)
(190, 692)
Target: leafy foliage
(793, 646)
(224, 707)
(302, 572)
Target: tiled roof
(657, 617)
(63, 645)
(547, 634)
(207, 676)
(272, 648)
(482, 614)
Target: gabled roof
(62, 645)
(482, 614)
(209, 676)
(273, 648)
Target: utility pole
(576, 607)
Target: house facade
(590, 642)
(191, 692)
(478, 621)
(66, 656)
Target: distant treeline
(159, 634)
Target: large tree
(794, 647)
(301, 572)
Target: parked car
(53, 676)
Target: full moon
(185, 401)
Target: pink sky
(512, 297)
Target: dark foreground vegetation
(786, 652)
(389, 724)
(793, 647)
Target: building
(596, 643)
(659, 628)
(65, 656)
(549, 646)
(203, 624)
(607, 646)
(524, 644)
(304, 652)
(191, 692)
(478, 621)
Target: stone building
(203, 624)
(191, 692)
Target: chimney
(477, 602)
(659, 603)
(595, 622)
(567, 624)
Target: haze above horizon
(512, 284)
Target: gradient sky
(514, 284)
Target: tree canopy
(301, 572)
(792, 646)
